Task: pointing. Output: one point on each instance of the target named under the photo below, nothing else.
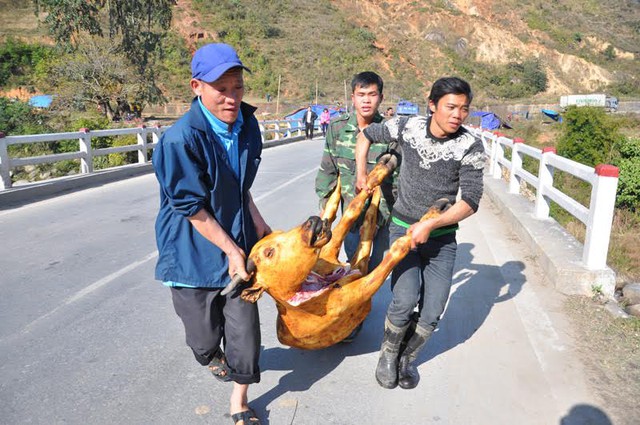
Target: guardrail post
(545, 179)
(86, 161)
(261, 126)
(277, 132)
(498, 154)
(288, 133)
(143, 157)
(5, 164)
(516, 165)
(603, 200)
(155, 134)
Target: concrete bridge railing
(506, 158)
(570, 273)
(273, 132)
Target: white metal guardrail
(603, 179)
(146, 139)
(597, 217)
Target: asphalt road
(88, 337)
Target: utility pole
(278, 98)
(345, 96)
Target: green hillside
(509, 50)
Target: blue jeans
(422, 278)
(380, 245)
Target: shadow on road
(476, 288)
(583, 414)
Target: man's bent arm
(262, 228)
(422, 229)
(208, 227)
(362, 151)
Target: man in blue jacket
(207, 223)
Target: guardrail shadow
(476, 289)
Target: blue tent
(299, 114)
(488, 120)
(41, 101)
(552, 114)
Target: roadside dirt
(610, 351)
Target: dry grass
(23, 22)
(610, 350)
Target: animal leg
(362, 289)
(331, 208)
(368, 230)
(350, 215)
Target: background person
(325, 117)
(439, 158)
(388, 113)
(205, 165)
(309, 119)
(339, 159)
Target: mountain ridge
(310, 49)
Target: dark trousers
(422, 278)
(210, 318)
(380, 245)
(308, 130)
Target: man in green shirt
(339, 160)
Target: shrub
(17, 60)
(18, 118)
(589, 136)
(629, 182)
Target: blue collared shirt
(228, 139)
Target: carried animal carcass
(320, 299)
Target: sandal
(219, 368)
(248, 417)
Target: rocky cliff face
(424, 35)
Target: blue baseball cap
(212, 60)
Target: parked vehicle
(600, 100)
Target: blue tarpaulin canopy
(41, 101)
(299, 114)
(552, 114)
(488, 120)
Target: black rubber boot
(409, 333)
(407, 370)
(387, 369)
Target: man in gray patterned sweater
(439, 158)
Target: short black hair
(450, 85)
(365, 79)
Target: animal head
(282, 260)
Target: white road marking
(126, 269)
(282, 186)
(91, 288)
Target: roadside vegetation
(591, 136)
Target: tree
(589, 136)
(96, 73)
(18, 59)
(134, 28)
